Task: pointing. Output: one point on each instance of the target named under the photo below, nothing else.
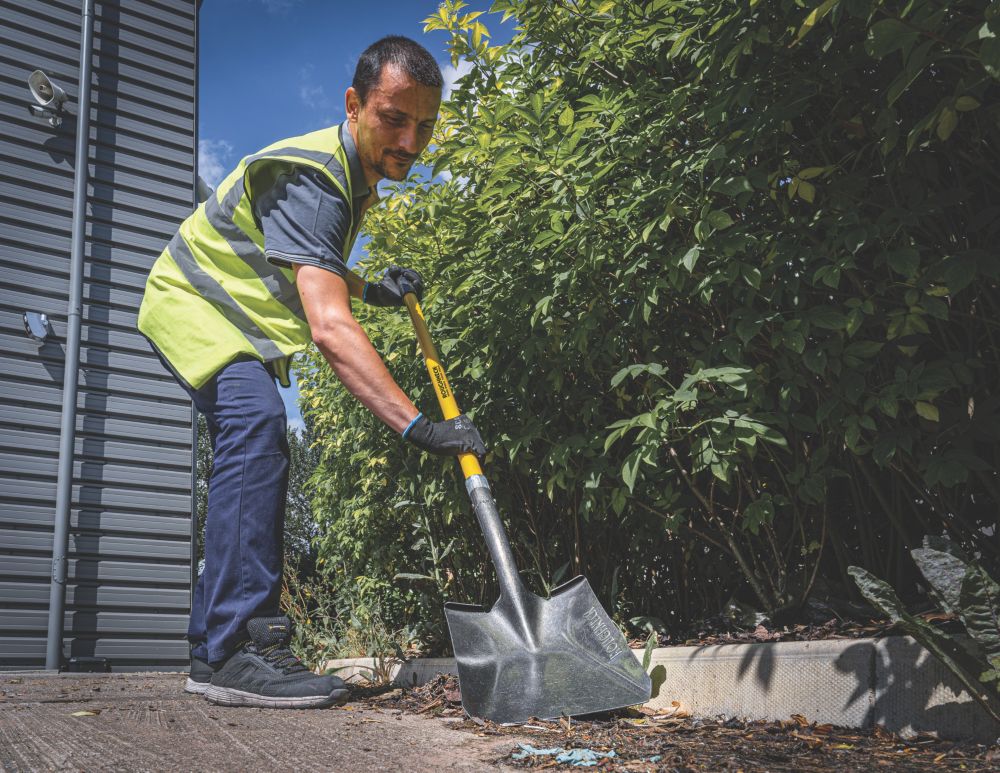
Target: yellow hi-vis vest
(212, 295)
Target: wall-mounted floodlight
(37, 326)
(49, 98)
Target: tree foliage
(718, 283)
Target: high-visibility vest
(212, 296)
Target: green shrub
(717, 282)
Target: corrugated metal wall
(130, 535)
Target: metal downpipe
(67, 430)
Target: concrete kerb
(858, 683)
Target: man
(252, 276)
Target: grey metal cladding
(128, 587)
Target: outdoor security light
(49, 98)
(37, 326)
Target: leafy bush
(963, 588)
(718, 283)
(340, 623)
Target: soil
(674, 741)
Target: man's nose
(408, 139)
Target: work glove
(395, 283)
(445, 438)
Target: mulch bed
(835, 628)
(674, 741)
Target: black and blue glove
(394, 284)
(445, 438)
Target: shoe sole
(228, 696)
(196, 688)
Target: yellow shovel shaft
(446, 399)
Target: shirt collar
(359, 187)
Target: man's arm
(345, 345)
(355, 284)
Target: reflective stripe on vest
(212, 295)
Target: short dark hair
(411, 57)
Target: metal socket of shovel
(528, 656)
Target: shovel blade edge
(559, 656)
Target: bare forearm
(355, 285)
(356, 363)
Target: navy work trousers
(245, 525)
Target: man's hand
(395, 283)
(445, 438)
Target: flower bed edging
(858, 683)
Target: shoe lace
(281, 657)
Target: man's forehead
(397, 90)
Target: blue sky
(270, 69)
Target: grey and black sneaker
(199, 677)
(264, 672)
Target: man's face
(394, 125)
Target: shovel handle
(445, 397)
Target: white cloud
(313, 95)
(451, 74)
(278, 7)
(214, 158)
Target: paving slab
(139, 722)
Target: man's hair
(411, 57)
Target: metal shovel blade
(534, 657)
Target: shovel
(528, 656)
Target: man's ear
(352, 103)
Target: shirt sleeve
(305, 220)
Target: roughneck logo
(442, 385)
(605, 637)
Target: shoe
(263, 672)
(199, 677)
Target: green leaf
(757, 513)
(806, 191)
(947, 122)
(815, 360)
(944, 571)
(811, 172)
(747, 328)
(566, 117)
(989, 55)
(814, 18)
(889, 35)
(732, 186)
(647, 653)
(411, 576)
(904, 261)
(965, 104)
(945, 649)
(630, 471)
(795, 341)
(927, 411)
(719, 219)
(690, 258)
(855, 318)
(979, 608)
(863, 350)
(828, 318)
(653, 368)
